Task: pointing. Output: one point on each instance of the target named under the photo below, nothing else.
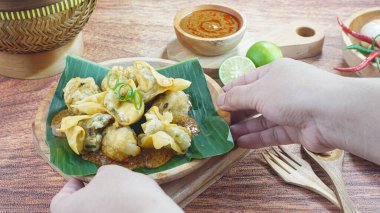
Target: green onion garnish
(131, 94)
(119, 92)
(109, 79)
(137, 94)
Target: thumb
(69, 188)
(238, 98)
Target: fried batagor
(119, 142)
(79, 88)
(151, 83)
(178, 104)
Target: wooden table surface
(121, 28)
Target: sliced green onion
(133, 95)
(126, 97)
(117, 90)
(129, 94)
(109, 79)
(117, 85)
(137, 94)
(120, 85)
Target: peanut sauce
(56, 122)
(148, 158)
(210, 24)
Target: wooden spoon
(332, 163)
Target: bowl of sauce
(209, 29)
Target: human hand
(287, 93)
(113, 189)
(302, 104)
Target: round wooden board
(39, 125)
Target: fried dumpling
(119, 142)
(124, 112)
(159, 132)
(84, 132)
(90, 105)
(178, 104)
(151, 83)
(94, 128)
(181, 136)
(115, 75)
(75, 134)
(79, 88)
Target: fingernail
(220, 101)
(100, 169)
(234, 131)
(233, 128)
(74, 184)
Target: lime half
(234, 67)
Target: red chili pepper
(359, 36)
(362, 65)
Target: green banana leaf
(214, 137)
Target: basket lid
(17, 5)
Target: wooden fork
(296, 171)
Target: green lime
(263, 52)
(234, 67)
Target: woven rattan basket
(43, 28)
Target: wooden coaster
(39, 65)
(297, 40)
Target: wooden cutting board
(297, 40)
(183, 187)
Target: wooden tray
(297, 40)
(184, 182)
